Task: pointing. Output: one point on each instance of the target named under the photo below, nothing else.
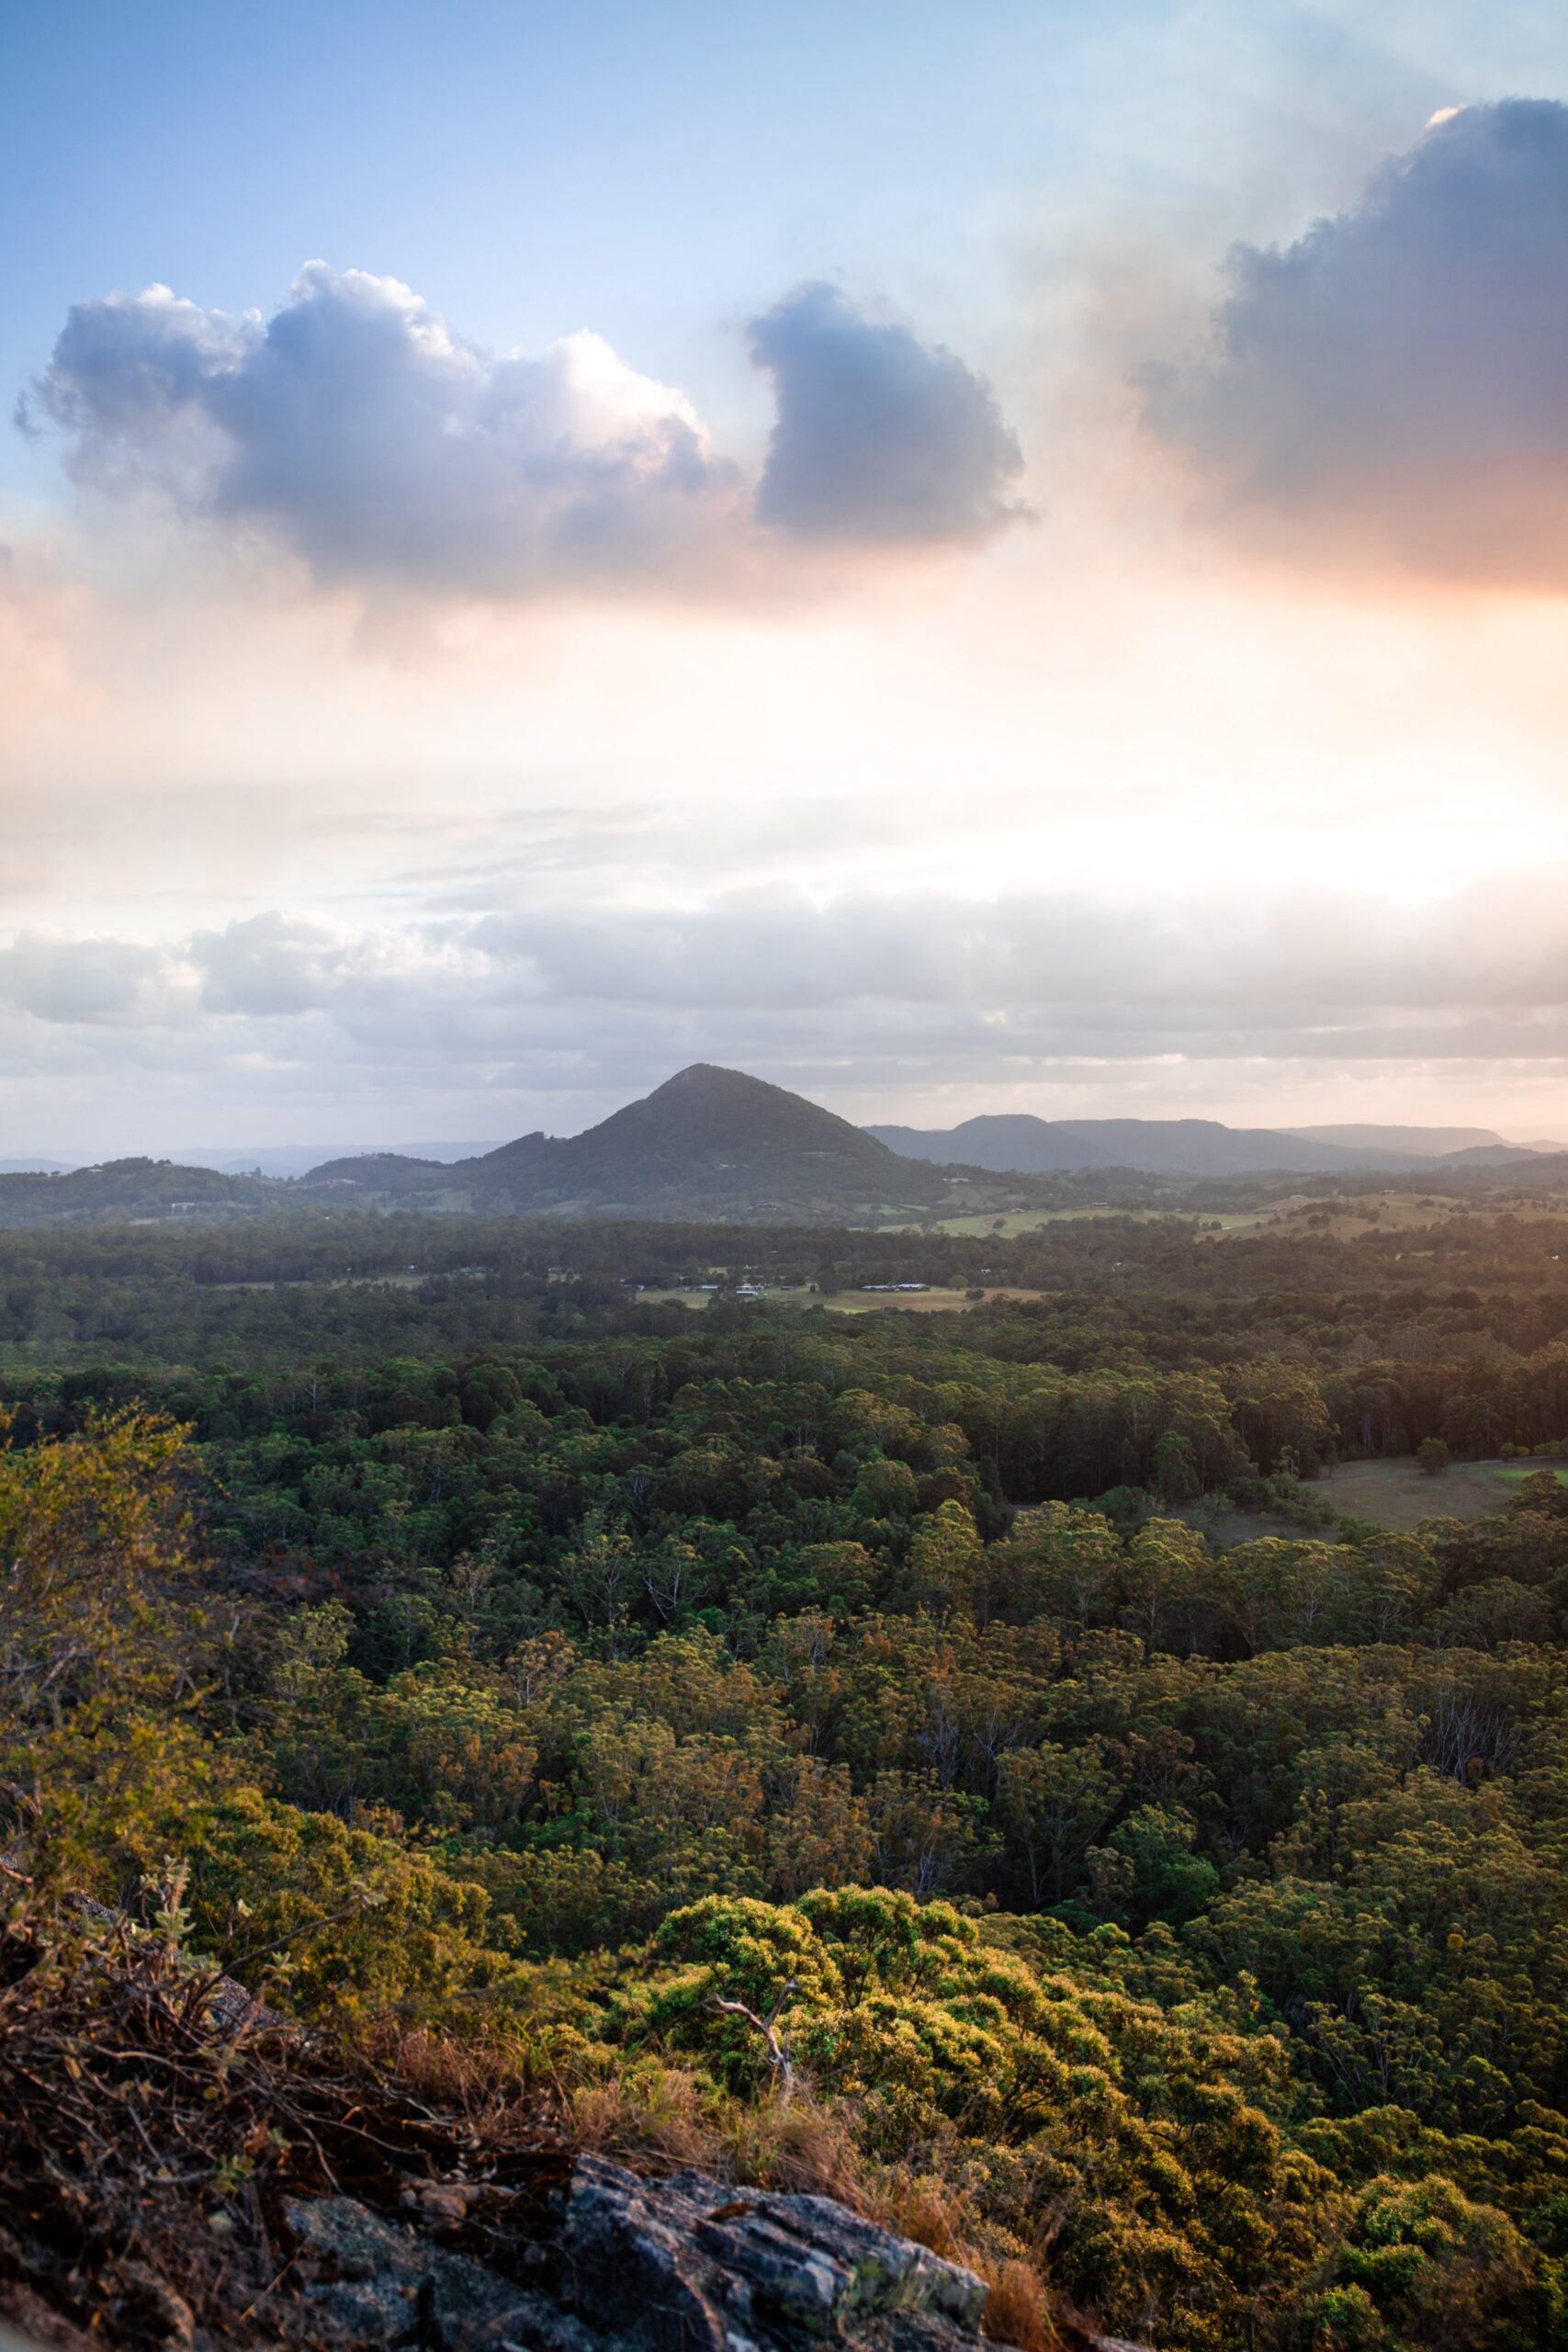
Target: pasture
(1399, 1495)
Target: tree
(1053, 1802)
(1175, 1470)
(945, 1558)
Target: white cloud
(358, 432)
(910, 995)
(1398, 377)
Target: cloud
(1397, 379)
(357, 431)
(587, 1006)
(880, 438)
(91, 982)
(379, 447)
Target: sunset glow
(451, 684)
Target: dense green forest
(1117, 1861)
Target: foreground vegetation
(821, 1746)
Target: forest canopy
(967, 1753)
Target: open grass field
(1340, 1218)
(1399, 1495)
(1346, 1219)
(855, 1301)
(1003, 1226)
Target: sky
(960, 558)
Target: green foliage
(1171, 2186)
(499, 1651)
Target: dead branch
(776, 2043)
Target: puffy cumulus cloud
(358, 430)
(381, 449)
(880, 438)
(276, 967)
(1397, 379)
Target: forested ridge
(1117, 1863)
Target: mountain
(124, 1192)
(1020, 1142)
(713, 1145)
(298, 1159)
(1420, 1143)
(1152, 1146)
(1494, 1155)
(708, 1143)
(1002, 1140)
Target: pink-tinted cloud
(1396, 383)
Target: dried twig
(777, 2043)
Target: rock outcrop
(684, 2263)
(181, 2170)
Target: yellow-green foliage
(340, 1920)
(104, 1645)
(1147, 2139)
(112, 1777)
(1144, 2152)
(1276, 2070)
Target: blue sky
(531, 168)
(654, 171)
(762, 542)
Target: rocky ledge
(684, 2263)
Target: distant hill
(1420, 1143)
(1187, 1147)
(1003, 1140)
(1494, 1155)
(715, 1145)
(298, 1159)
(123, 1191)
(1152, 1146)
(708, 1143)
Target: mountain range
(1020, 1142)
(717, 1145)
(708, 1143)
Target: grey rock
(687, 2263)
(374, 2282)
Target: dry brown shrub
(654, 2113)
(665, 2117)
(149, 2130)
(800, 2147)
(484, 2081)
(1017, 2309)
(922, 2209)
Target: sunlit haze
(959, 560)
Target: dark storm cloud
(880, 438)
(1400, 373)
(357, 430)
